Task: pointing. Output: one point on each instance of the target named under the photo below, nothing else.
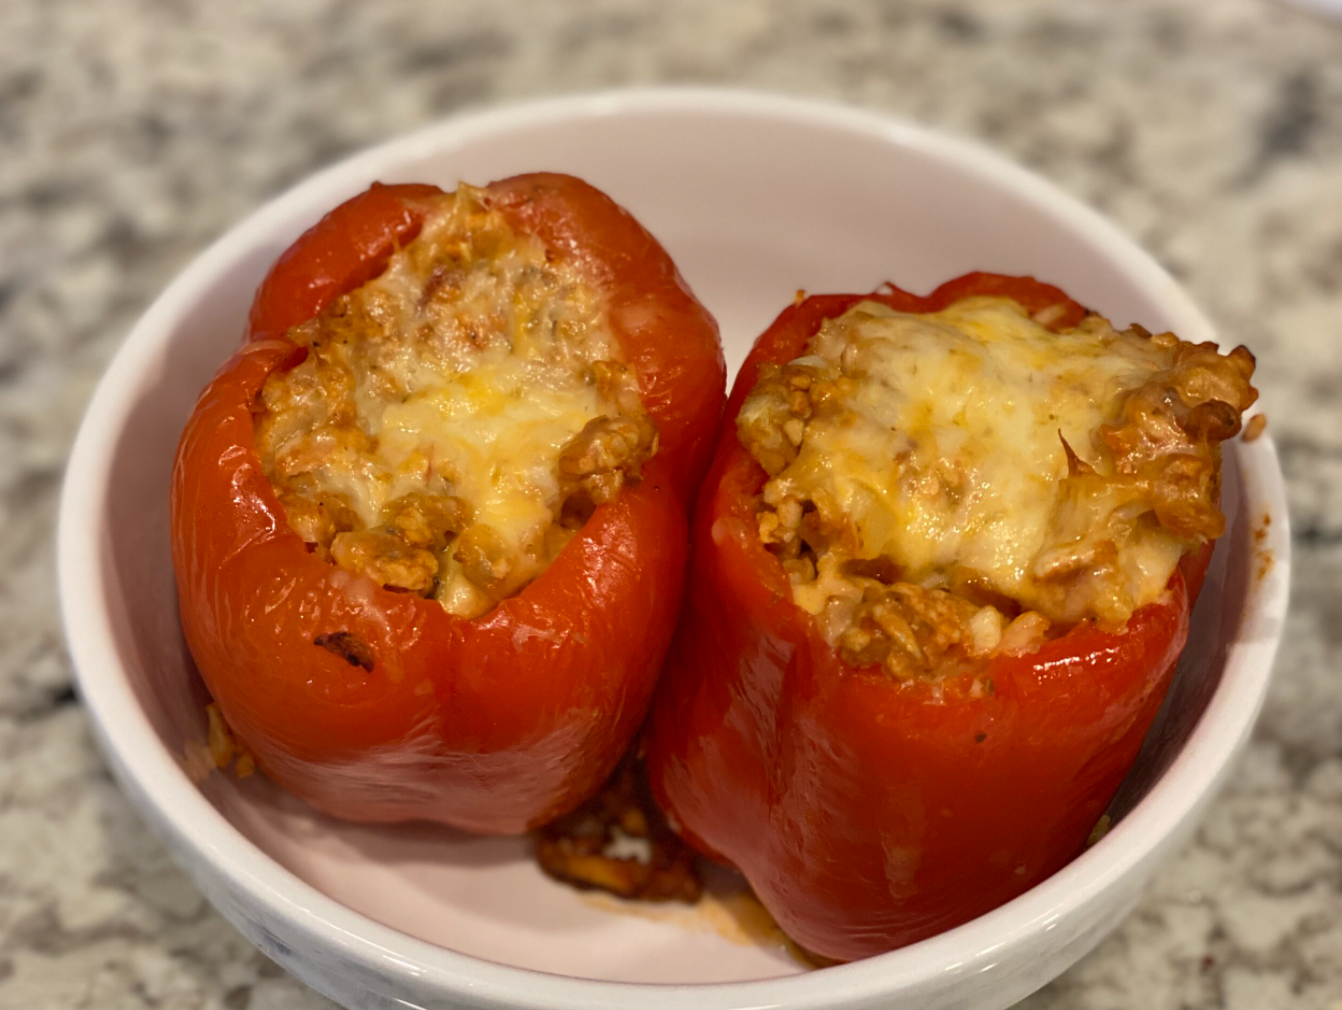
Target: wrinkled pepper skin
(491, 725)
(868, 813)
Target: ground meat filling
(457, 418)
(946, 486)
(619, 842)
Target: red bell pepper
(495, 724)
(869, 813)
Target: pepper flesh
(381, 706)
(869, 813)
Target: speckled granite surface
(131, 133)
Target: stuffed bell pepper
(943, 564)
(428, 523)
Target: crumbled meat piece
(1166, 464)
(484, 557)
(427, 521)
(1168, 436)
(577, 848)
(782, 397)
(782, 525)
(606, 454)
(1025, 634)
(386, 559)
(225, 747)
(909, 631)
(314, 516)
(316, 399)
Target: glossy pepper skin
(868, 813)
(491, 725)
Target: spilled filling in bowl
(948, 485)
(458, 418)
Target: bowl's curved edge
(349, 957)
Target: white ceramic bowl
(755, 197)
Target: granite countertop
(133, 132)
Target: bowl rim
(173, 804)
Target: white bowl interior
(754, 200)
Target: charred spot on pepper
(350, 648)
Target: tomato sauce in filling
(947, 485)
(458, 418)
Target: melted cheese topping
(967, 404)
(489, 413)
(939, 444)
(460, 377)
